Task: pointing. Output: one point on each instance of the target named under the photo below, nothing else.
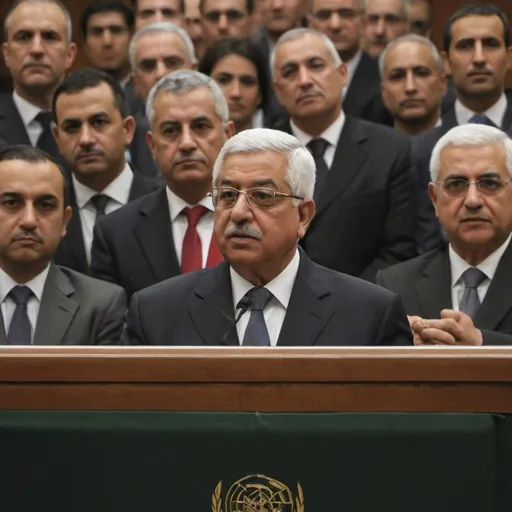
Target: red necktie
(192, 253)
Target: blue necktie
(20, 330)
(482, 119)
(470, 301)
(256, 334)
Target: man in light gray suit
(41, 303)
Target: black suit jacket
(424, 285)
(142, 158)
(71, 250)
(325, 309)
(133, 246)
(365, 216)
(429, 235)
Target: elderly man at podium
(267, 292)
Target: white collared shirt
(331, 135)
(351, 69)
(496, 113)
(34, 302)
(281, 288)
(118, 191)
(28, 113)
(458, 266)
(179, 223)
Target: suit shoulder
(407, 269)
(83, 282)
(384, 134)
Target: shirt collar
(495, 113)
(28, 111)
(118, 190)
(331, 135)
(176, 204)
(36, 284)
(488, 266)
(281, 286)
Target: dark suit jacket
(71, 250)
(77, 310)
(133, 246)
(325, 309)
(365, 216)
(142, 158)
(429, 235)
(424, 285)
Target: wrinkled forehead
(473, 161)
(160, 44)
(37, 16)
(384, 7)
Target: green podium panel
(227, 462)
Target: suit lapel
(434, 288)
(154, 234)
(361, 87)
(349, 157)
(449, 121)
(3, 335)
(498, 299)
(141, 185)
(308, 310)
(506, 125)
(212, 307)
(57, 309)
(13, 124)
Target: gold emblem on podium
(258, 493)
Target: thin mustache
(311, 92)
(90, 152)
(473, 217)
(244, 230)
(19, 236)
(181, 159)
(35, 63)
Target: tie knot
(99, 201)
(317, 147)
(259, 297)
(481, 119)
(194, 214)
(473, 277)
(20, 295)
(44, 118)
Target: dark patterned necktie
(317, 148)
(46, 142)
(20, 330)
(470, 301)
(100, 201)
(256, 333)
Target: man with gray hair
(267, 292)
(413, 83)
(169, 231)
(466, 283)
(155, 50)
(38, 52)
(365, 187)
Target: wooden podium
(416, 379)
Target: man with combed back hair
(267, 292)
(465, 283)
(169, 232)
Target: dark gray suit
(424, 285)
(325, 309)
(77, 310)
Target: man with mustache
(477, 54)
(267, 292)
(364, 191)
(92, 130)
(38, 52)
(169, 231)
(471, 191)
(41, 303)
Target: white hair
(67, 17)
(159, 27)
(298, 33)
(185, 81)
(412, 38)
(301, 171)
(470, 135)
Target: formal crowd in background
(340, 180)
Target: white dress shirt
(281, 288)
(496, 113)
(28, 113)
(351, 70)
(179, 223)
(458, 266)
(331, 135)
(8, 305)
(118, 192)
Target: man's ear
(306, 214)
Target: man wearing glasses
(267, 292)
(170, 232)
(470, 276)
